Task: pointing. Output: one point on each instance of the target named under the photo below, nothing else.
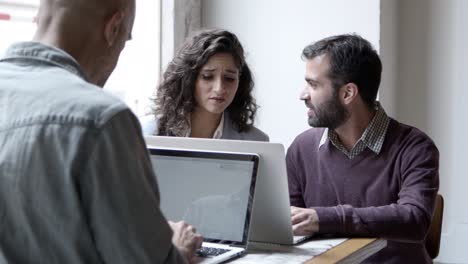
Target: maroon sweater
(389, 195)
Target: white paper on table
(272, 253)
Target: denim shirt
(76, 182)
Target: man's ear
(113, 27)
(349, 92)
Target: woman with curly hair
(206, 92)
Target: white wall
(273, 33)
(424, 46)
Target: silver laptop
(211, 190)
(271, 216)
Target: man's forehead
(320, 60)
(318, 65)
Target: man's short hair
(352, 60)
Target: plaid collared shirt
(372, 138)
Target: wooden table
(353, 250)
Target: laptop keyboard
(205, 252)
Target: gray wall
(423, 44)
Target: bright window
(16, 21)
(137, 73)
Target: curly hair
(175, 100)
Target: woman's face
(217, 84)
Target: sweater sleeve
(406, 220)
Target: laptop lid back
(271, 216)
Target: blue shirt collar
(26, 51)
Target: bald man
(76, 182)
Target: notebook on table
(211, 190)
(271, 215)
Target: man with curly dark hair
(206, 92)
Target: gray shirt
(149, 125)
(76, 183)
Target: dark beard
(330, 114)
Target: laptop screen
(212, 191)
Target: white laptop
(271, 216)
(211, 190)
